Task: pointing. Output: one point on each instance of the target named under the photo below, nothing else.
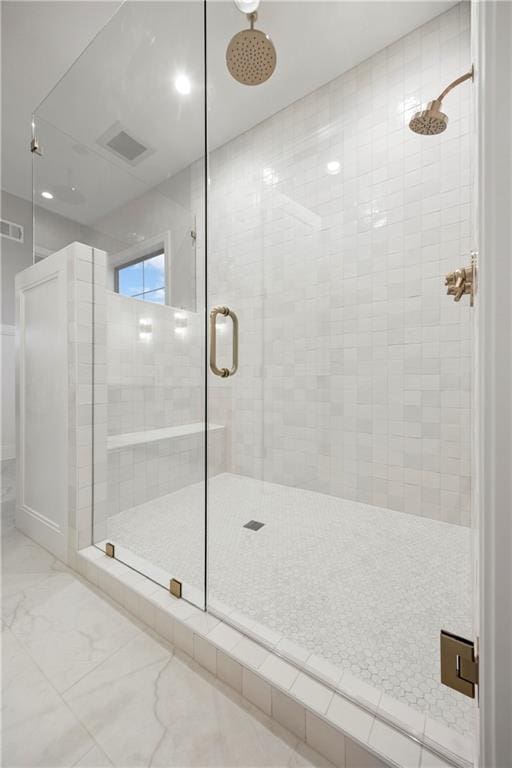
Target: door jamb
(493, 32)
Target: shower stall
(280, 385)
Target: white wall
(14, 256)
(56, 349)
(52, 233)
(354, 375)
(164, 208)
(8, 440)
(150, 215)
(42, 293)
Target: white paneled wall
(58, 474)
(354, 374)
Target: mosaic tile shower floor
(365, 588)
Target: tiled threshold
(347, 735)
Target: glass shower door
(123, 172)
(340, 524)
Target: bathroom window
(143, 279)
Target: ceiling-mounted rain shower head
(431, 121)
(251, 56)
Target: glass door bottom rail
(344, 589)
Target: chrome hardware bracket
(35, 147)
(223, 372)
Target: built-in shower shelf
(127, 439)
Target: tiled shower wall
(354, 374)
(155, 380)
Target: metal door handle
(226, 312)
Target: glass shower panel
(339, 523)
(123, 158)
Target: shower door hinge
(175, 587)
(193, 234)
(35, 147)
(459, 665)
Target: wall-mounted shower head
(431, 121)
(251, 56)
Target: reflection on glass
(143, 279)
(157, 297)
(131, 280)
(154, 272)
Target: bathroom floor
(8, 492)
(84, 684)
(349, 589)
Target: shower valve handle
(460, 282)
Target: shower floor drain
(254, 525)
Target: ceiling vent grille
(11, 231)
(123, 144)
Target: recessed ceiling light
(182, 84)
(333, 167)
(47, 195)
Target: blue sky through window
(131, 281)
(143, 280)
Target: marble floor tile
(60, 620)
(183, 715)
(84, 684)
(22, 555)
(8, 491)
(95, 758)
(69, 631)
(24, 592)
(38, 729)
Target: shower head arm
(455, 83)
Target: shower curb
(355, 739)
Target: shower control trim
(462, 282)
(224, 373)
